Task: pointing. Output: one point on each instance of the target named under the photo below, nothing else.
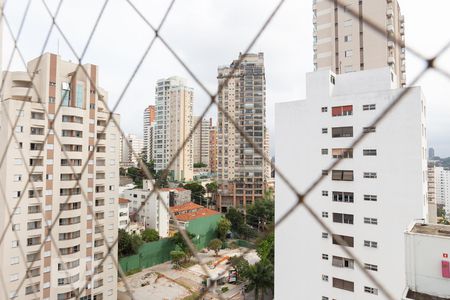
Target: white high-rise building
(174, 100)
(132, 148)
(201, 141)
(368, 199)
(442, 180)
(149, 127)
(63, 171)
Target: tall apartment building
(44, 179)
(442, 180)
(241, 170)
(213, 148)
(368, 200)
(201, 141)
(149, 125)
(174, 100)
(132, 149)
(432, 204)
(343, 42)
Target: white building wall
(400, 184)
(443, 188)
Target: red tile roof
(123, 201)
(185, 207)
(178, 189)
(204, 212)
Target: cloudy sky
(210, 33)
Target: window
(369, 107)
(348, 38)
(348, 53)
(373, 221)
(369, 129)
(14, 277)
(348, 23)
(370, 175)
(343, 197)
(80, 95)
(342, 175)
(370, 244)
(17, 177)
(324, 193)
(342, 218)
(324, 130)
(14, 260)
(332, 79)
(16, 227)
(324, 172)
(324, 109)
(338, 132)
(370, 198)
(324, 151)
(371, 290)
(19, 112)
(342, 262)
(325, 278)
(324, 235)
(19, 129)
(338, 111)
(324, 214)
(348, 240)
(370, 152)
(343, 284)
(325, 256)
(342, 153)
(15, 244)
(371, 267)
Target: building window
(14, 260)
(342, 218)
(342, 175)
(371, 290)
(348, 23)
(65, 94)
(348, 53)
(370, 175)
(325, 193)
(338, 132)
(370, 197)
(343, 284)
(370, 152)
(342, 262)
(369, 107)
(80, 95)
(324, 235)
(324, 130)
(324, 151)
(370, 244)
(324, 214)
(324, 172)
(343, 197)
(342, 153)
(338, 111)
(333, 79)
(325, 278)
(348, 38)
(347, 240)
(371, 267)
(325, 256)
(324, 109)
(373, 221)
(369, 129)
(15, 244)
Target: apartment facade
(201, 141)
(344, 42)
(124, 213)
(442, 180)
(174, 100)
(149, 126)
(132, 150)
(431, 185)
(63, 174)
(241, 171)
(213, 148)
(368, 199)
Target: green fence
(155, 253)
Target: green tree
(215, 245)
(182, 245)
(128, 243)
(176, 257)
(241, 265)
(149, 235)
(261, 214)
(260, 278)
(223, 227)
(266, 248)
(200, 165)
(236, 219)
(212, 187)
(197, 192)
(440, 212)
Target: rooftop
(431, 229)
(185, 207)
(123, 201)
(203, 212)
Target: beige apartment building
(149, 127)
(343, 42)
(201, 141)
(241, 171)
(213, 148)
(55, 177)
(174, 100)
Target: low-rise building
(427, 262)
(190, 211)
(177, 195)
(124, 216)
(153, 214)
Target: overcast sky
(210, 33)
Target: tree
(241, 266)
(215, 245)
(266, 248)
(200, 165)
(128, 243)
(197, 192)
(261, 213)
(440, 212)
(150, 235)
(260, 278)
(212, 187)
(223, 227)
(182, 245)
(176, 257)
(236, 219)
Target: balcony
(390, 44)
(390, 12)
(391, 60)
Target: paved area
(162, 282)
